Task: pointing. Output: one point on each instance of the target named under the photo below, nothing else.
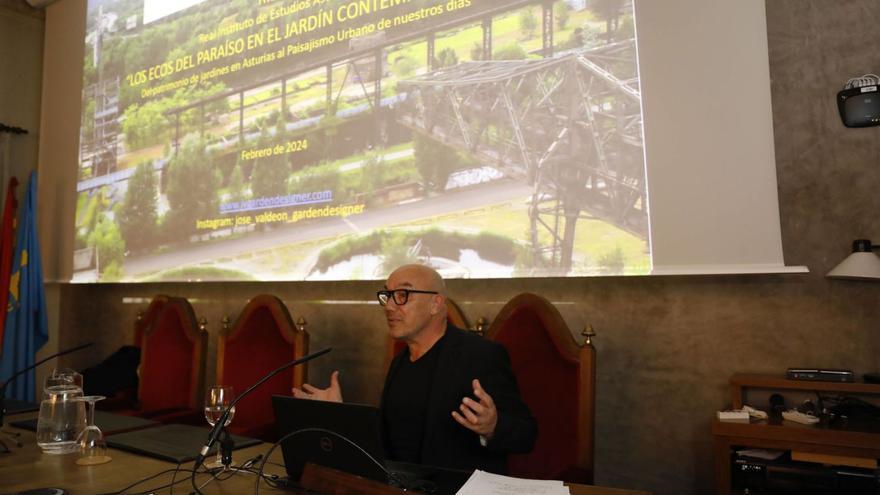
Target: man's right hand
(333, 393)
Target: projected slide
(338, 139)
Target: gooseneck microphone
(28, 368)
(221, 422)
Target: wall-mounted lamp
(861, 264)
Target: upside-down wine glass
(217, 399)
(92, 446)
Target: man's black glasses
(400, 296)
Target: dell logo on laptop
(326, 444)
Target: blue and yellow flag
(26, 327)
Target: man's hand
(333, 393)
(479, 417)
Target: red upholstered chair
(454, 315)
(262, 339)
(145, 319)
(547, 362)
(172, 370)
(127, 399)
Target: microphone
(221, 422)
(28, 368)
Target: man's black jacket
(463, 357)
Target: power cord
(144, 480)
(192, 480)
(174, 475)
(388, 474)
(274, 481)
(216, 474)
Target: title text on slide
(271, 35)
(346, 12)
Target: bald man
(450, 398)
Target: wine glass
(217, 399)
(92, 446)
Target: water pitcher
(62, 415)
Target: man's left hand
(479, 417)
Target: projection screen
(336, 139)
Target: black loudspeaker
(859, 107)
(777, 403)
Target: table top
(28, 468)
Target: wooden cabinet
(853, 440)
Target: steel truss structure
(98, 149)
(571, 125)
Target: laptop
(336, 435)
(347, 437)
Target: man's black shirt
(407, 401)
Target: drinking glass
(217, 399)
(91, 441)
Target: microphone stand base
(223, 456)
(226, 446)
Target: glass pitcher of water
(62, 414)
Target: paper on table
(765, 454)
(483, 483)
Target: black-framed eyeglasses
(400, 296)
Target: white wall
(21, 65)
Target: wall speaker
(859, 102)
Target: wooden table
(856, 440)
(28, 468)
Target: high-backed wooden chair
(454, 315)
(146, 319)
(126, 399)
(262, 339)
(548, 363)
(172, 370)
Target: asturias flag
(26, 327)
